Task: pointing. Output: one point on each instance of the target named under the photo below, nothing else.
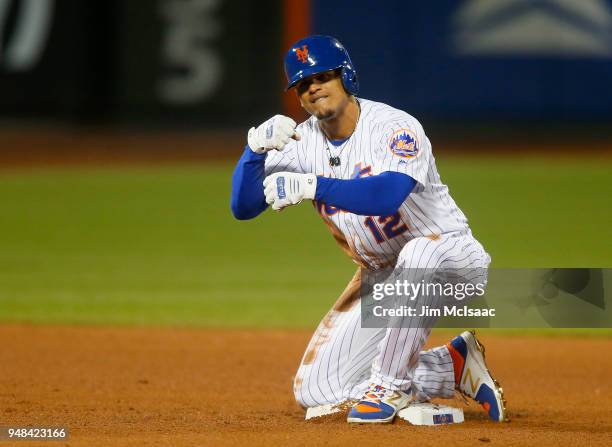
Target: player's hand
(273, 134)
(283, 189)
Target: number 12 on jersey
(392, 226)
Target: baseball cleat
(472, 377)
(378, 406)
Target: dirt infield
(146, 386)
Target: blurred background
(120, 123)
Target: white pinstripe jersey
(385, 139)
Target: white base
(322, 410)
(431, 414)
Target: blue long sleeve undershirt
(248, 199)
(378, 195)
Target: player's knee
(419, 253)
(307, 390)
(298, 387)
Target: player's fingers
(278, 205)
(283, 140)
(271, 189)
(296, 136)
(286, 121)
(286, 128)
(269, 192)
(269, 179)
(276, 142)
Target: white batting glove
(288, 188)
(273, 134)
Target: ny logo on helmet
(302, 54)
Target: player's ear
(300, 100)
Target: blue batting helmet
(316, 54)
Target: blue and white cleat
(472, 377)
(378, 406)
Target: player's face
(323, 95)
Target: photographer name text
(427, 311)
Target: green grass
(537, 212)
(159, 246)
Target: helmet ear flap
(349, 80)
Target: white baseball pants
(343, 358)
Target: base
(431, 414)
(322, 410)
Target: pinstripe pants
(342, 358)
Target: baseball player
(371, 174)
